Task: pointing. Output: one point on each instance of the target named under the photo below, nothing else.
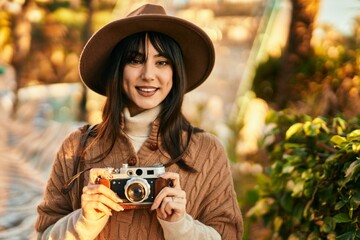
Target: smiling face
(147, 79)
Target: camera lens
(137, 190)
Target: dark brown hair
(172, 122)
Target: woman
(143, 64)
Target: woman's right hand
(98, 200)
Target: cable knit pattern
(211, 199)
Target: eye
(163, 63)
(136, 61)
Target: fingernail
(119, 208)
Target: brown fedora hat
(196, 46)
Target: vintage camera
(136, 186)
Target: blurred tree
(316, 75)
(298, 47)
(20, 28)
(44, 39)
(87, 31)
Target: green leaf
(321, 123)
(352, 173)
(347, 236)
(339, 124)
(339, 205)
(355, 147)
(338, 140)
(355, 200)
(298, 189)
(342, 218)
(307, 175)
(261, 207)
(328, 225)
(331, 236)
(288, 169)
(311, 130)
(353, 169)
(278, 221)
(313, 236)
(309, 188)
(333, 158)
(297, 127)
(354, 134)
(287, 202)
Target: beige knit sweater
(212, 207)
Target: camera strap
(79, 155)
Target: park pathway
(26, 155)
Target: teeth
(147, 89)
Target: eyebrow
(138, 53)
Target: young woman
(143, 64)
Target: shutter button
(132, 161)
(153, 146)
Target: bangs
(134, 45)
(164, 45)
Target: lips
(146, 91)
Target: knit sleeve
(218, 207)
(188, 228)
(73, 227)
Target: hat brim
(197, 48)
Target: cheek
(169, 79)
(125, 86)
(127, 76)
(169, 86)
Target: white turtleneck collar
(138, 127)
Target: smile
(146, 91)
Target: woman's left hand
(170, 203)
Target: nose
(148, 72)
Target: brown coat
(211, 198)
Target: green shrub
(311, 189)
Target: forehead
(147, 48)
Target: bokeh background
(259, 45)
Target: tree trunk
(21, 36)
(86, 34)
(298, 47)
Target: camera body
(136, 186)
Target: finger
(174, 177)
(102, 199)
(99, 172)
(168, 192)
(172, 205)
(101, 189)
(181, 200)
(90, 206)
(165, 204)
